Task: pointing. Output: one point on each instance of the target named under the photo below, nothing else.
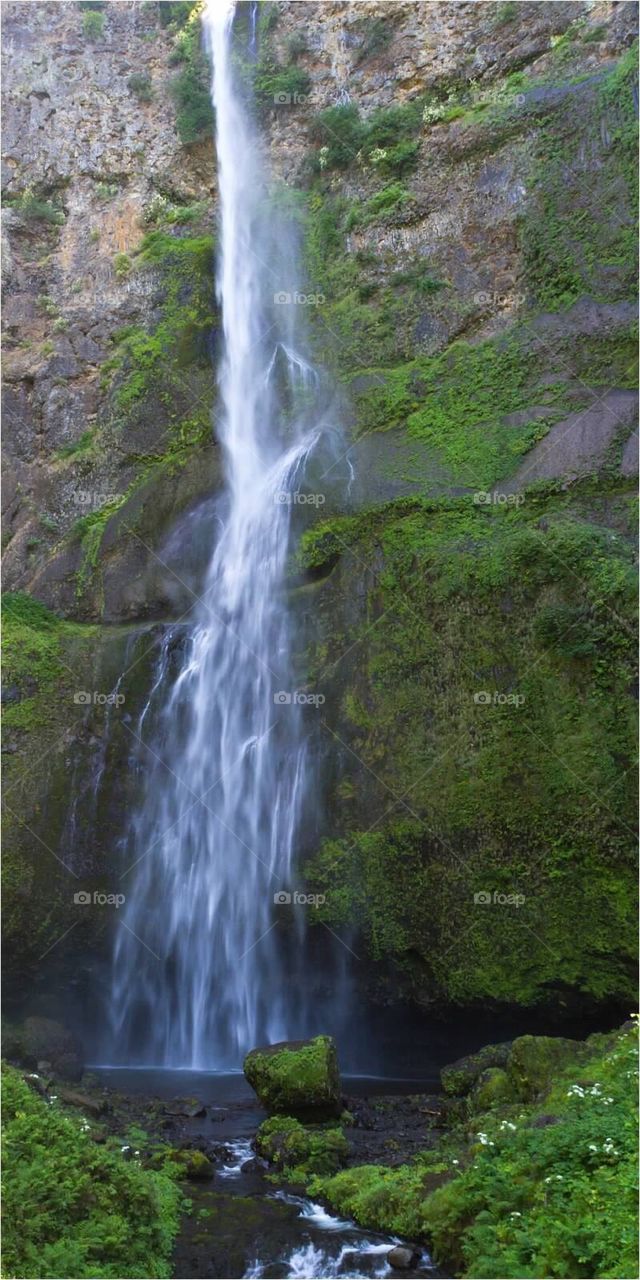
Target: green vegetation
(140, 85)
(275, 85)
(386, 139)
(546, 1187)
(375, 34)
(190, 87)
(523, 792)
(296, 1152)
(579, 237)
(297, 1080)
(74, 1208)
(93, 24)
(122, 265)
(33, 209)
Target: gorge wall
(462, 175)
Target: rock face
(42, 1040)
(298, 1078)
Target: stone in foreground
(296, 1078)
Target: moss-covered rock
(459, 1077)
(492, 1088)
(298, 1151)
(192, 1163)
(296, 1077)
(534, 1061)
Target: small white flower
(592, 1147)
(515, 1215)
(455, 1162)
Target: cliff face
(463, 177)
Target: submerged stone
(296, 1077)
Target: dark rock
(185, 1107)
(459, 1077)
(93, 1106)
(403, 1256)
(10, 693)
(44, 1039)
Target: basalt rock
(298, 1078)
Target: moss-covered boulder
(296, 1077)
(493, 1088)
(193, 1164)
(535, 1060)
(298, 1151)
(459, 1077)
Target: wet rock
(185, 1107)
(194, 1164)
(44, 1039)
(535, 1060)
(403, 1256)
(92, 1106)
(296, 1078)
(459, 1077)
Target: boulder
(286, 1144)
(459, 1077)
(403, 1256)
(534, 1061)
(492, 1088)
(296, 1078)
(43, 1039)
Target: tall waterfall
(198, 974)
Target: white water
(199, 976)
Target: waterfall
(199, 974)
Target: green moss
(75, 1208)
(300, 1079)
(190, 87)
(550, 1192)
(298, 1152)
(511, 751)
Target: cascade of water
(198, 973)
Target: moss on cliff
(481, 693)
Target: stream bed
(241, 1224)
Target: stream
(242, 1224)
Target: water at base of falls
(204, 968)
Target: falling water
(198, 970)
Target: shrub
(140, 84)
(32, 209)
(340, 131)
(275, 84)
(190, 92)
(75, 1208)
(122, 265)
(93, 24)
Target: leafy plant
(140, 85)
(93, 24)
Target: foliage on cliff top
(548, 1189)
(73, 1208)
